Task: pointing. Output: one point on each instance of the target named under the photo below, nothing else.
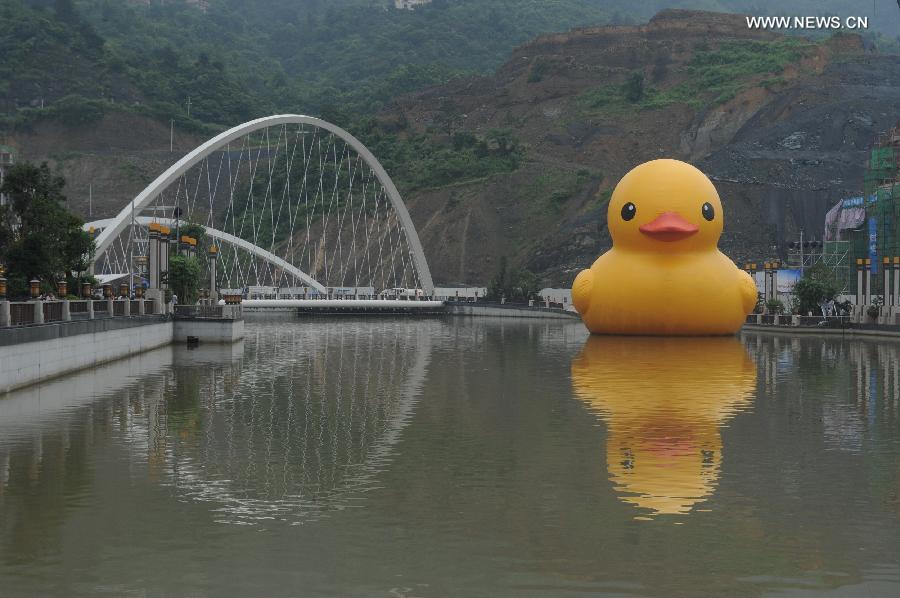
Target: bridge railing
(21, 314)
(79, 310)
(53, 311)
(28, 313)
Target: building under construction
(863, 233)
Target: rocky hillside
(781, 125)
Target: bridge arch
(115, 226)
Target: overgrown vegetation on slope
(714, 75)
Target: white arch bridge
(290, 201)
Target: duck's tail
(582, 290)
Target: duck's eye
(708, 211)
(628, 211)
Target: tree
(195, 231)
(513, 284)
(528, 284)
(501, 284)
(38, 237)
(184, 278)
(634, 87)
(448, 116)
(65, 11)
(661, 64)
(501, 141)
(818, 284)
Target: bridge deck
(344, 306)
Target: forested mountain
(219, 62)
(238, 59)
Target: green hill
(212, 64)
(240, 59)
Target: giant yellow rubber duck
(664, 401)
(664, 274)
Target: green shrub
(774, 306)
(818, 284)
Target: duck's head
(665, 206)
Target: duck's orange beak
(669, 227)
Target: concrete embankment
(304, 307)
(857, 331)
(509, 311)
(35, 353)
(51, 398)
(330, 307)
(32, 354)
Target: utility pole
(131, 254)
(189, 107)
(802, 263)
(172, 135)
(90, 200)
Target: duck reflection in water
(664, 401)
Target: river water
(458, 457)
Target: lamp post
(35, 286)
(896, 276)
(860, 289)
(886, 281)
(212, 256)
(868, 281)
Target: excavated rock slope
(782, 149)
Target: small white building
(264, 292)
(409, 4)
(459, 293)
(352, 292)
(556, 297)
(261, 292)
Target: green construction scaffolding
(881, 200)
